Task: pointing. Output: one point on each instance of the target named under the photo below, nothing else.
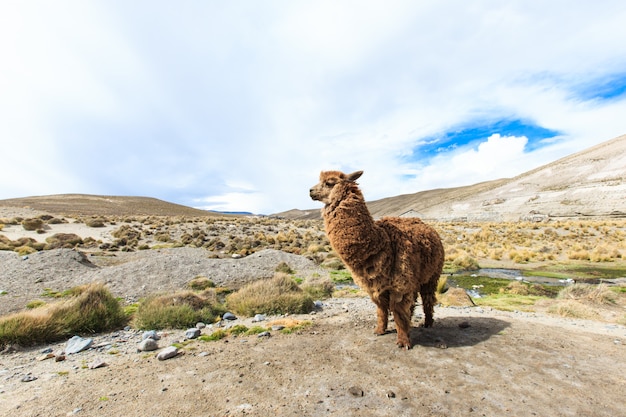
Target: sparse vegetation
(89, 309)
(279, 295)
(177, 310)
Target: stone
(356, 391)
(200, 325)
(167, 353)
(264, 334)
(77, 344)
(45, 356)
(150, 334)
(97, 363)
(258, 317)
(229, 316)
(192, 333)
(277, 327)
(147, 345)
(29, 378)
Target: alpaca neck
(350, 227)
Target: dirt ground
(474, 361)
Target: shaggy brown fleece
(393, 259)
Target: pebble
(229, 316)
(356, 391)
(97, 363)
(150, 334)
(264, 334)
(258, 317)
(29, 378)
(167, 353)
(192, 333)
(200, 325)
(147, 345)
(77, 344)
(277, 327)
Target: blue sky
(238, 105)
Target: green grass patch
(341, 276)
(508, 302)
(486, 285)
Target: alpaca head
(322, 191)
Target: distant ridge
(98, 205)
(587, 184)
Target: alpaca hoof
(406, 346)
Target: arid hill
(587, 184)
(96, 205)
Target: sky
(238, 105)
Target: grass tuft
(278, 295)
(178, 310)
(90, 309)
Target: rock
(147, 345)
(77, 344)
(229, 316)
(28, 378)
(167, 353)
(192, 333)
(318, 304)
(46, 356)
(200, 325)
(277, 327)
(150, 334)
(390, 394)
(258, 317)
(59, 358)
(236, 256)
(97, 363)
(264, 334)
(356, 391)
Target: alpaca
(393, 259)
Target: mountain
(97, 205)
(587, 184)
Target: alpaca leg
(402, 317)
(429, 299)
(382, 313)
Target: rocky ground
(474, 361)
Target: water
(516, 275)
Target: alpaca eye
(330, 183)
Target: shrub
(177, 310)
(284, 268)
(95, 223)
(32, 224)
(466, 263)
(88, 309)
(63, 240)
(596, 294)
(278, 295)
(200, 284)
(319, 290)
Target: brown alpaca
(393, 259)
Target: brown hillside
(94, 205)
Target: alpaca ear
(355, 175)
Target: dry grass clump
(278, 295)
(32, 224)
(200, 283)
(178, 310)
(87, 309)
(63, 240)
(573, 309)
(594, 294)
